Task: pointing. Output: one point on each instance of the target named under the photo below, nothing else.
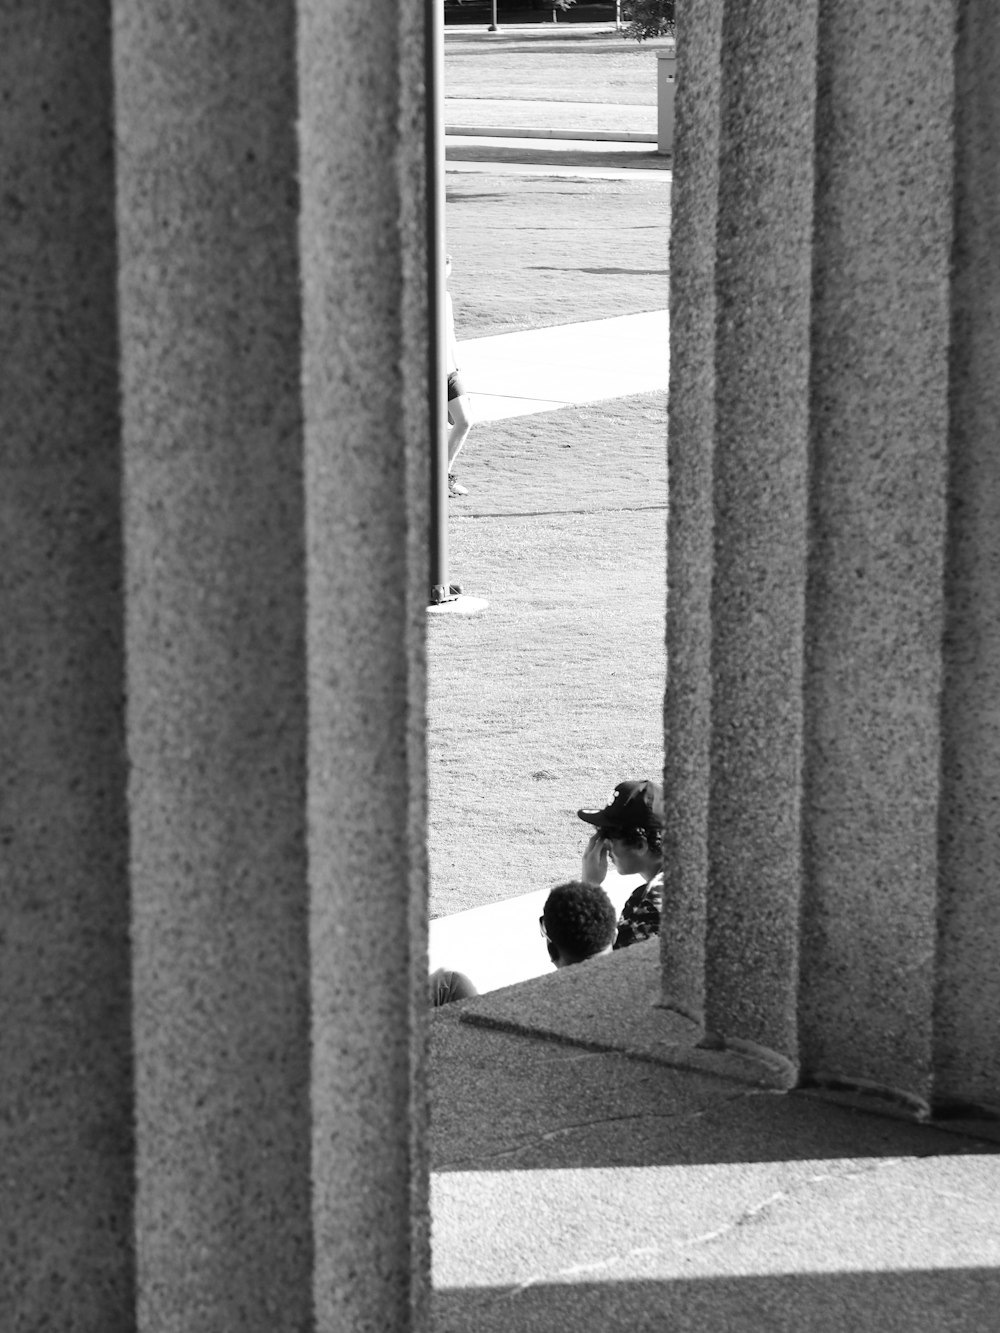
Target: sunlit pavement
(509, 118)
(514, 374)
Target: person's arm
(595, 860)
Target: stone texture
(690, 457)
(65, 1049)
(763, 288)
(575, 1188)
(367, 428)
(278, 1091)
(609, 1004)
(967, 1016)
(879, 431)
(830, 854)
(211, 326)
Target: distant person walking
(460, 416)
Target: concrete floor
(602, 1189)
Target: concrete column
(273, 293)
(754, 594)
(65, 1048)
(211, 327)
(762, 365)
(967, 1015)
(842, 419)
(688, 699)
(368, 438)
(879, 417)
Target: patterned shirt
(640, 918)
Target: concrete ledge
(610, 1004)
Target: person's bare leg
(459, 424)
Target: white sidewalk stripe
(539, 370)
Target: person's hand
(595, 860)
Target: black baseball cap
(634, 805)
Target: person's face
(626, 856)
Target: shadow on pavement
(957, 1300)
(505, 1101)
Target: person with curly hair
(578, 922)
(629, 832)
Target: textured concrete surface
(763, 303)
(277, 549)
(610, 1003)
(580, 1189)
(365, 239)
(879, 427)
(830, 610)
(66, 1138)
(687, 707)
(573, 1187)
(209, 282)
(967, 1018)
(742, 260)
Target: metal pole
(440, 587)
(493, 26)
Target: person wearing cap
(578, 922)
(629, 832)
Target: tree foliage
(648, 18)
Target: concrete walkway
(582, 140)
(568, 120)
(540, 370)
(577, 1190)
